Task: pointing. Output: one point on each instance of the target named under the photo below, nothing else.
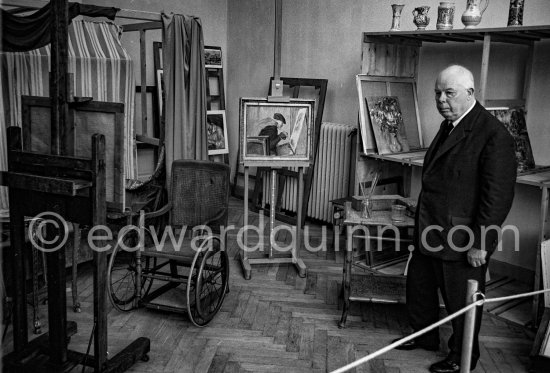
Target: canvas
(286, 129)
(387, 124)
(514, 121)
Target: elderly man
(468, 184)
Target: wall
(322, 39)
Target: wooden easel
(277, 96)
(294, 259)
(73, 188)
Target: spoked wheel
(208, 281)
(122, 271)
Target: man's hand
(476, 257)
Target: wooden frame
(402, 88)
(217, 119)
(89, 118)
(290, 144)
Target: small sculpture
(421, 19)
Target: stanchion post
(469, 327)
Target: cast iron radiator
(331, 173)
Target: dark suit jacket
(469, 181)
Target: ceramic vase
(474, 10)
(420, 17)
(445, 15)
(396, 20)
(515, 15)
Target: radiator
(331, 173)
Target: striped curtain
(101, 67)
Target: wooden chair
(198, 204)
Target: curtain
(102, 69)
(185, 90)
(24, 33)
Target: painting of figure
(285, 129)
(216, 132)
(387, 124)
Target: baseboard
(499, 268)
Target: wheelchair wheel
(208, 281)
(122, 272)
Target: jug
(472, 15)
(421, 19)
(445, 15)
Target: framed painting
(405, 91)
(212, 57)
(286, 126)
(514, 121)
(387, 124)
(217, 132)
(106, 118)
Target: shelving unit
(396, 54)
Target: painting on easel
(387, 124)
(514, 121)
(276, 132)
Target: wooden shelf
(539, 176)
(513, 35)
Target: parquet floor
(279, 322)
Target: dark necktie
(446, 128)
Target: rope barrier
(435, 325)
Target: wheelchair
(189, 251)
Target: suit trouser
(426, 274)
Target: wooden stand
(294, 259)
(73, 188)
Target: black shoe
(448, 366)
(413, 345)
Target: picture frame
(402, 88)
(289, 127)
(217, 132)
(89, 118)
(212, 57)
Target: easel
(277, 96)
(73, 188)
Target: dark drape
(25, 33)
(185, 89)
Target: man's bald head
(454, 91)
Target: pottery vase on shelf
(515, 15)
(420, 17)
(472, 15)
(445, 15)
(396, 20)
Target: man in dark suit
(468, 182)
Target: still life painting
(514, 121)
(387, 124)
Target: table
(370, 286)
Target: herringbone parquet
(279, 322)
